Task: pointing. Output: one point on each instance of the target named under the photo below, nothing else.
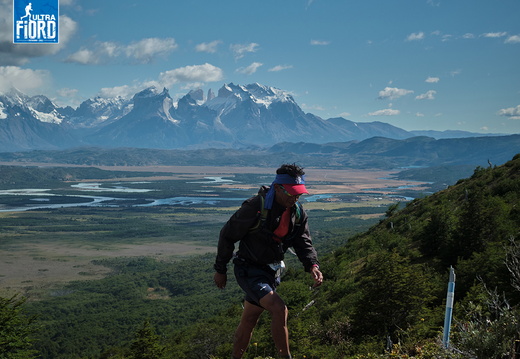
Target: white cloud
(385, 112)
(455, 73)
(251, 69)
(111, 49)
(432, 80)
(345, 114)
(147, 49)
(312, 107)
(320, 42)
(194, 73)
(66, 92)
(513, 113)
(191, 86)
(142, 51)
(494, 34)
(280, 68)
(393, 93)
(468, 36)
(415, 36)
(24, 80)
(84, 57)
(429, 95)
(240, 50)
(514, 39)
(210, 47)
(419, 114)
(118, 91)
(67, 97)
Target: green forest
(384, 292)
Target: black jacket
(257, 245)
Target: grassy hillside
(383, 296)
(385, 289)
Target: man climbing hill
(266, 225)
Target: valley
(163, 212)
(92, 274)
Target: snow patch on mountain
(265, 95)
(3, 114)
(166, 106)
(52, 117)
(231, 95)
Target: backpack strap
(263, 212)
(298, 214)
(261, 215)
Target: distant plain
(40, 250)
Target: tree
(146, 344)
(394, 294)
(16, 329)
(437, 238)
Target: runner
(266, 225)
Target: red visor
(295, 189)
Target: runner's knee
(275, 305)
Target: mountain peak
(211, 95)
(267, 95)
(230, 95)
(152, 91)
(38, 107)
(197, 95)
(15, 97)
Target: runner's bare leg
(244, 330)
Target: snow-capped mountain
(38, 107)
(28, 123)
(149, 124)
(237, 116)
(99, 112)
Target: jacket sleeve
(302, 245)
(234, 230)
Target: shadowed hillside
(383, 296)
(386, 288)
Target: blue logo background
(35, 21)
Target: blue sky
(416, 64)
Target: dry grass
(36, 267)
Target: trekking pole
(449, 308)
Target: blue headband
(281, 179)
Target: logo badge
(35, 21)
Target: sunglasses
(288, 194)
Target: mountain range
(236, 117)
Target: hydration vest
(264, 212)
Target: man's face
(283, 197)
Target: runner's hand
(220, 280)
(317, 276)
